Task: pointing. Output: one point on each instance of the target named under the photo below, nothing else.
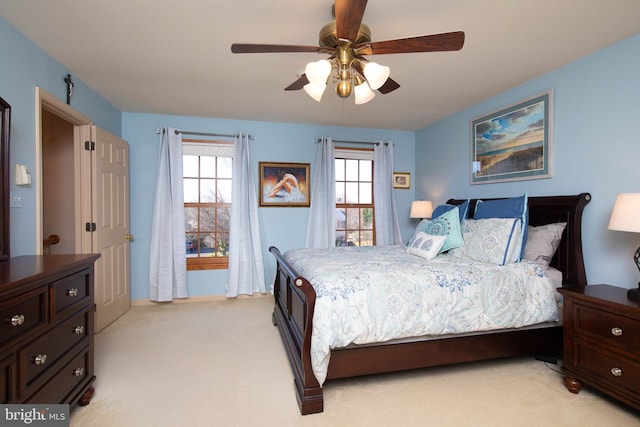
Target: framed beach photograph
(402, 180)
(284, 184)
(514, 143)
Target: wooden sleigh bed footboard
(295, 300)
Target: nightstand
(601, 342)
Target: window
(354, 197)
(207, 167)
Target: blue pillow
(463, 209)
(515, 207)
(447, 224)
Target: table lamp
(421, 209)
(626, 217)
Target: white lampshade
(376, 74)
(421, 209)
(315, 90)
(318, 72)
(626, 213)
(363, 93)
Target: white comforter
(375, 294)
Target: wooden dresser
(601, 344)
(46, 329)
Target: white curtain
(387, 225)
(168, 258)
(321, 231)
(246, 268)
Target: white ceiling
(173, 57)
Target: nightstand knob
(73, 292)
(616, 332)
(17, 320)
(41, 359)
(78, 372)
(79, 330)
(616, 372)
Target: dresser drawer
(22, 314)
(607, 368)
(607, 328)
(63, 387)
(7, 379)
(39, 355)
(70, 291)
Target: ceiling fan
(348, 40)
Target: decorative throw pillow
(491, 240)
(515, 207)
(543, 242)
(447, 224)
(425, 245)
(463, 209)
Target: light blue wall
(285, 228)
(596, 148)
(23, 67)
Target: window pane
(353, 218)
(207, 219)
(224, 191)
(352, 192)
(207, 191)
(207, 244)
(366, 219)
(366, 238)
(366, 193)
(351, 170)
(191, 219)
(191, 241)
(207, 167)
(223, 224)
(339, 192)
(341, 238)
(223, 245)
(190, 166)
(365, 170)
(190, 188)
(339, 169)
(224, 167)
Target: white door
(108, 222)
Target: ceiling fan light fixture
(376, 74)
(363, 92)
(318, 72)
(315, 90)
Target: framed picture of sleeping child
(513, 143)
(284, 184)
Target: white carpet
(223, 364)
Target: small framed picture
(284, 184)
(402, 180)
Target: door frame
(46, 101)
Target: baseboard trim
(194, 299)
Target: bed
(295, 302)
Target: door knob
(128, 236)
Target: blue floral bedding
(379, 293)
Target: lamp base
(634, 294)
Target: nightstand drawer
(606, 368)
(607, 328)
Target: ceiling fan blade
(298, 84)
(349, 15)
(432, 43)
(273, 48)
(389, 86)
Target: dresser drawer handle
(617, 332)
(41, 359)
(616, 372)
(73, 292)
(17, 320)
(78, 372)
(79, 330)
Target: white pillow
(425, 245)
(491, 240)
(543, 241)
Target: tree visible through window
(207, 205)
(354, 198)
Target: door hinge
(90, 145)
(90, 226)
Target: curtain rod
(185, 132)
(352, 142)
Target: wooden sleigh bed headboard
(295, 297)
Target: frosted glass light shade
(376, 74)
(315, 90)
(363, 93)
(421, 209)
(317, 72)
(626, 213)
